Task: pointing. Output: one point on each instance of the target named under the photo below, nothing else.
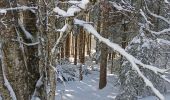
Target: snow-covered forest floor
(87, 89)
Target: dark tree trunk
(81, 51)
(75, 50)
(104, 49)
(67, 47)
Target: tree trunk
(67, 47)
(104, 48)
(17, 59)
(81, 51)
(75, 50)
(113, 56)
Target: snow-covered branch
(64, 29)
(144, 16)
(27, 34)
(4, 10)
(157, 16)
(27, 44)
(6, 82)
(129, 57)
(37, 86)
(127, 8)
(164, 31)
(163, 41)
(73, 9)
(166, 1)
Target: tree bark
(103, 47)
(81, 51)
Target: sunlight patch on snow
(111, 97)
(69, 95)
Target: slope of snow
(88, 89)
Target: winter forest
(84, 49)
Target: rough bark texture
(15, 68)
(67, 47)
(75, 50)
(81, 51)
(103, 47)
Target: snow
(17, 8)
(87, 89)
(3, 11)
(136, 40)
(129, 57)
(162, 41)
(60, 11)
(83, 4)
(35, 98)
(74, 2)
(165, 78)
(166, 1)
(6, 82)
(117, 6)
(144, 16)
(63, 29)
(167, 97)
(70, 12)
(73, 9)
(159, 17)
(161, 32)
(39, 82)
(27, 34)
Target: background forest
(49, 47)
